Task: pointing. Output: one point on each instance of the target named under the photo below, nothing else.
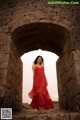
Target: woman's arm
(45, 75)
(33, 68)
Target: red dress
(39, 93)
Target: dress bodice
(39, 71)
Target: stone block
(1, 57)
(76, 54)
(64, 117)
(77, 67)
(2, 91)
(74, 116)
(5, 40)
(3, 75)
(54, 117)
(3, 65)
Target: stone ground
(28, 113)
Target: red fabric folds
(39, 93)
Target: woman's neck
(38, 64)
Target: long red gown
(39, 93)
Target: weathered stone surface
(71, 116)
(69, 80)
(64, 116)
(75, 116)
(2, 91)
(30, 25)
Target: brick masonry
(29, 25)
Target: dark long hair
(35, 61)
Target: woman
(39, 93)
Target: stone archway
(35, 30)
(56, 39)
(45, 36)
(49, 37)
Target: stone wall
(14, 80)
(10, 75)
(5, 42)
(15, 14)
(68, 73)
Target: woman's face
(39, 60)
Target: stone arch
(47, 36)
(29, 37)
(63, 20)
(41, 17)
